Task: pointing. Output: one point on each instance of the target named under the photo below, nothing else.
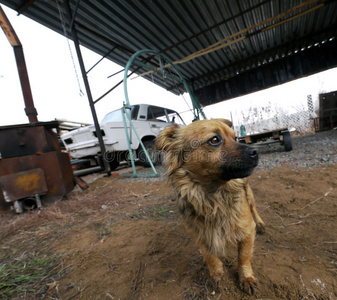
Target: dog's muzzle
(242, 165)
(253, 154)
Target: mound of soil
(121, 239)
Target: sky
(57, 94)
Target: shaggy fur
(207, 168)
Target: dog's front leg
(260, 226)
(215, 266)
(248, 282)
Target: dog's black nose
(252, 152)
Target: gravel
(309, 150)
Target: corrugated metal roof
(270, 30)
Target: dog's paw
(260, 228)
(249, 285)
(216, 275)
(215, 285)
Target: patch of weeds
(135, 214)
(160, 212)
(103, 228)
(106, 230)
(154, 212)
(25, 274)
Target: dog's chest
(213, 223)
(221, 211)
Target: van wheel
(152, 151)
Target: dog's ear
(227, 122)
(166, 138)
(170, 142)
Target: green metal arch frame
(197, 109)
(196, 105)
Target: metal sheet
(328, 110)
(56, 167)
(27, 140)
(23, 184)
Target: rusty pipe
(30, 109)
(13, 39)
(88, 171)
(31, 203)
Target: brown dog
(207, 168)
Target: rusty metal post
(86, 84)
(21, 65)
(30, 109)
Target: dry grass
(29, 272)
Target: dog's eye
(214, 141)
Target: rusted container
(31, 162)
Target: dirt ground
(121, 239)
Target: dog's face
(207, 149)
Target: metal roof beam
(25, 6)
